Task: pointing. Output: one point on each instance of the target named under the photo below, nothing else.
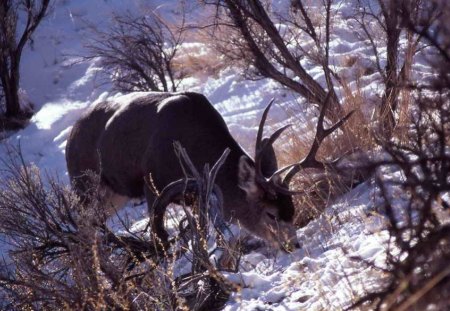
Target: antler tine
(263, 148)
(321, 133)
(261, 127)
(275, 136)
(310, 160)
(259, 146)
(262, 144)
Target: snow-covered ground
(323, 274)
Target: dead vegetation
(415, 197)
(138, 52)
(60, 247)
(416, 207)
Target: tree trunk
(13, 44)
(11, 91)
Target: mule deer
(126, 143)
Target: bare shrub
(246, 32)
(283, 43)
(139, 52)
(418, 249)
(63, 256)
(58, 249)
(416, 199)
(394, 48)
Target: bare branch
(138, 52)
(269, 53)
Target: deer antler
(310, 160)
(261, 147)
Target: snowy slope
(320, 275)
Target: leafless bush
(138, 52)
(267, 50)
(394, 47)
(63, 256)
(416, 201)
(415, 206)
(59, 250)
(215, 289)
(282, 43)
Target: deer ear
(246, 176)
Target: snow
(324, 273)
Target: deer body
(127, 143)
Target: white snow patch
(52, 112)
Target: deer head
(267, 191)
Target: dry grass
(359, 129)
(199, 56)
(224, 41)
(315, 198)
(198, 60)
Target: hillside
(329, 271)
